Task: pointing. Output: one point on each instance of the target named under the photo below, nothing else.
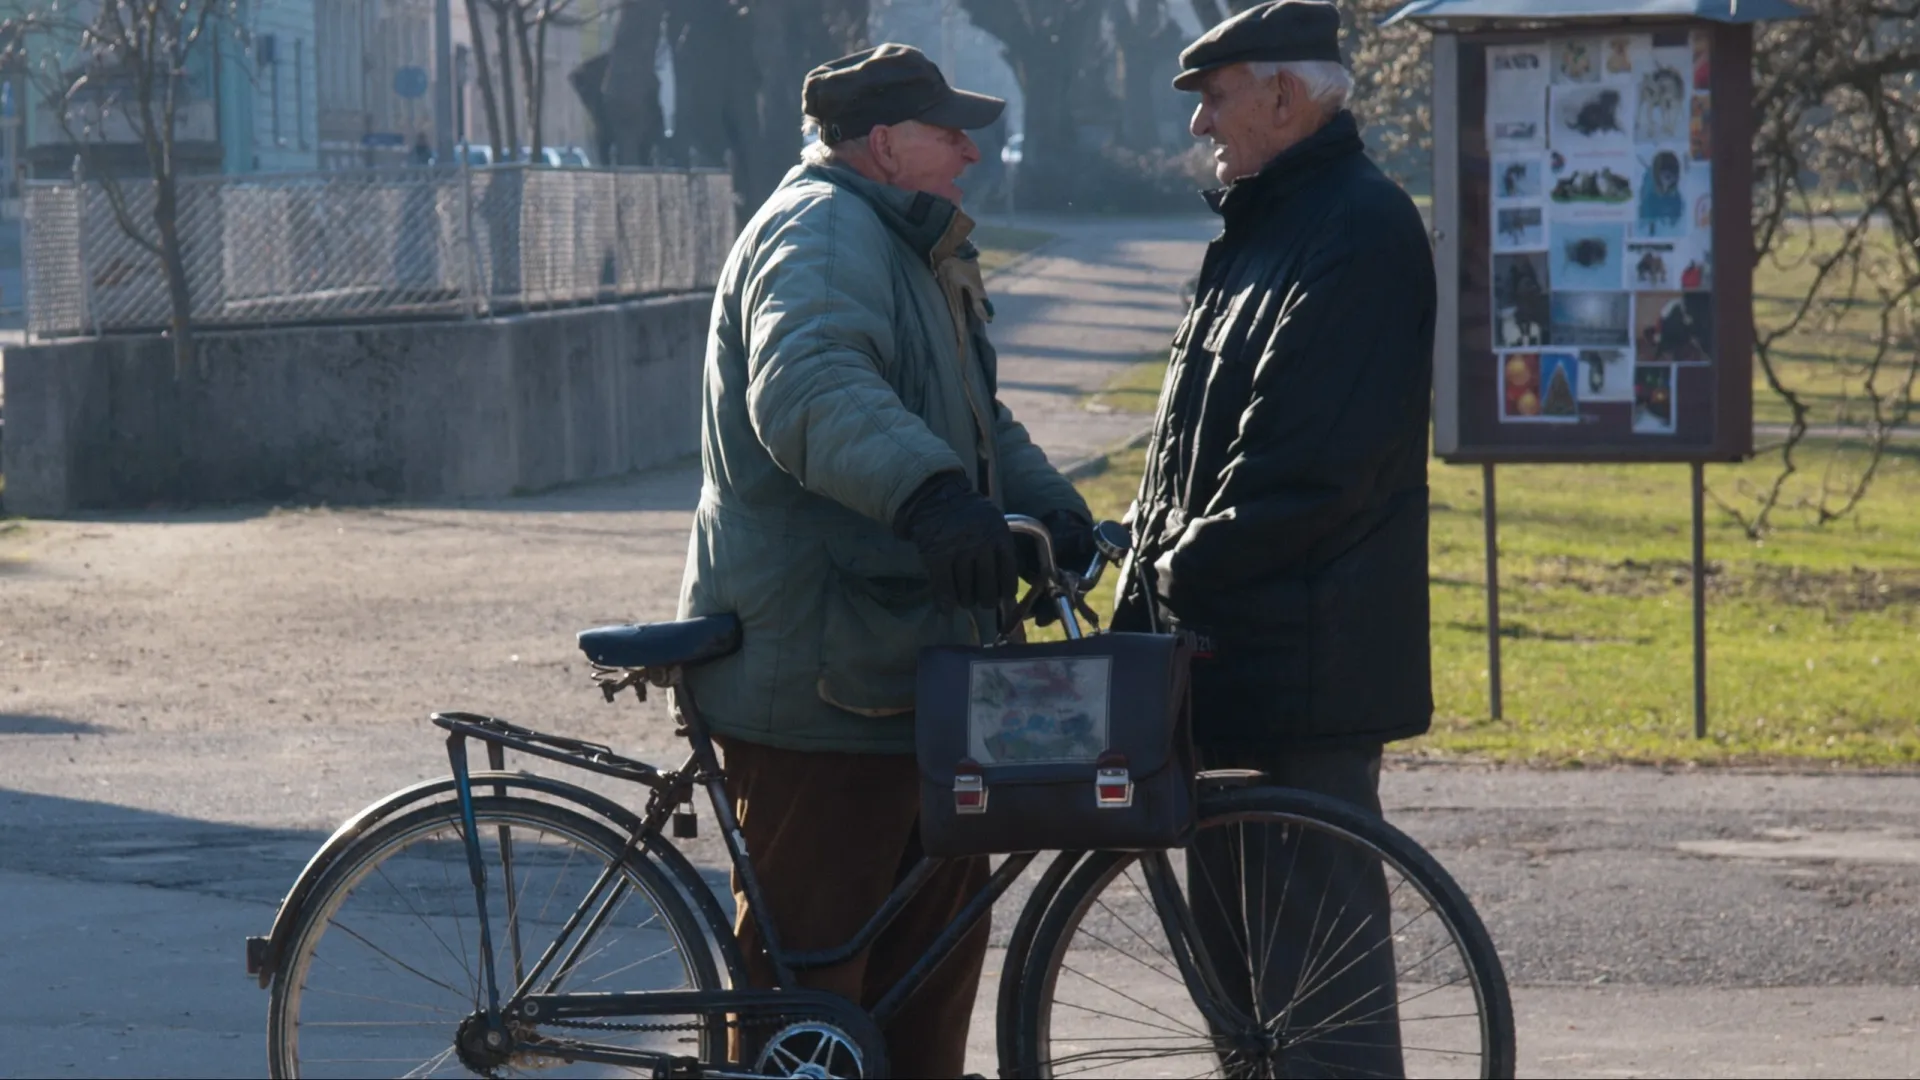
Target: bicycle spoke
(380, 1000)
(1173, 976)
(396, 961)
(433, 1064)
(1181, 1031)
(1116, 993)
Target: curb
(1095, 464)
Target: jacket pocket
(879, 614)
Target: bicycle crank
(813, 1049)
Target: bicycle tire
(681, 924)
(1034, 1040)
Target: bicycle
(424, 938)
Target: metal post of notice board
(1699, 601)
(1489, 515)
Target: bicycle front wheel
(383, 975)
(1296, 936)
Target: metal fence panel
(264, 249)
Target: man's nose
(969, 150)
(1201, 124)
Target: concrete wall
(354, 414)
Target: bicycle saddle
(663, 644)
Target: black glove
(964, 541)
(1072, 534)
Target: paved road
(189, 702)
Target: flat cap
(889, 84)
(1279, 30)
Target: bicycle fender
(263, 952)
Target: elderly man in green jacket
(857, 464)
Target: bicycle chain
(696, 1025)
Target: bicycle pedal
(686, 825)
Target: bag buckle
(1112, 788)
(969, 793)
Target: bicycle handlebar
(1064, 589)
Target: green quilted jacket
(847, 362)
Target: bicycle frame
(536, 994)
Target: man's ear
(880, 147)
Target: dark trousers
(829, 836)
(1303, 922)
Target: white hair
(1327, 83)
(816, 151)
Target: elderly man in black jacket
(1283, 514)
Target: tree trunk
(716, 93)
(166, 219)
(1142, 36)
(531, 71)
(503, 34)
(1046, 47)
(484, 70)
(630, 88)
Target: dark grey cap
(1279, 30)
(889, 84)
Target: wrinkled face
(1248, 119)
(921, 157)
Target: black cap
(1280, 30)
(889, 84)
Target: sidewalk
(1074, 314)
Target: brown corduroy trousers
(829, 836)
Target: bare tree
(1837, 224)
(120, 71)
(519, 40)
(1048, 44)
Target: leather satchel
(1065, 746)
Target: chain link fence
(336, 247)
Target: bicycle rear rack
(575, 752)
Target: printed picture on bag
(1674, 328)
(1590, 318)
(1653, 405)
(1591, 119)
(1588, 255)
(1021, 711)
(1520, 309)
(1519, 228)
(1702, 63)
(1606, 375)
(1700, 129)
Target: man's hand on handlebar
(964, 542)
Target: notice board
(1591, 222)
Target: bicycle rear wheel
(383, 976)
(1296, 936)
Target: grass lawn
(1000, 245)
(1813, 636)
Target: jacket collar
(1337, 138)
(933, 227)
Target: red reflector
(969, 798)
